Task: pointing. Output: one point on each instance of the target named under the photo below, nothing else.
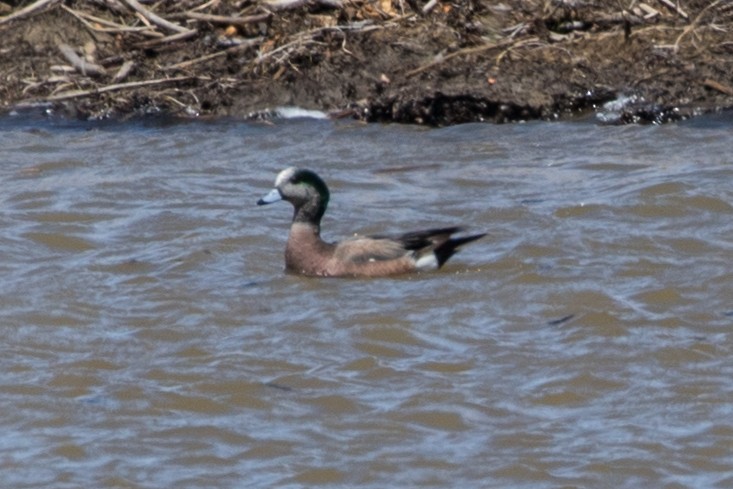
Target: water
(151, 339)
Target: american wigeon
(361, 256)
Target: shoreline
(432, 63)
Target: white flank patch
(427, 262)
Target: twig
(175, 101)
(718, 86)
(27, 10)
(239, 47)
(82, 66)
(84, 18)
(301, 40)
(64, 85)
(204, 6)
(162, 40)
(525, 42)
(114, 6)
(223, 19)
(278, 5)
(649, 11)
(429, 6)
(463, 52)
(124, 70)
(109, 88)
(306, 37)
(693, 25)
(670, 5)
(155, 19)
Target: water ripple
(151, 337)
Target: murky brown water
(151, 339)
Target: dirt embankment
(433, 62)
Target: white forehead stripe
(285, 175)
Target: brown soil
(379, 60)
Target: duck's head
(302, 188)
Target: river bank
(411, 61)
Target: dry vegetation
(434, 62)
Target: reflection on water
(151, 339)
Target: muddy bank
(413, 61)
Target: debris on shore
(434, 62)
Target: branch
(124, 70)
(223, 19)
(463, 52)
(162, 40)
(234, 49)
(155, 19)
(670, 5)
(27, 10)
(82, 66)
(109, 88)
(718, 86)
(89, 21)
(278, 5)
(693, 25)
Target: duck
(306, 253)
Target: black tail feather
(417, 240)
(448, 248)
(436, 240)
